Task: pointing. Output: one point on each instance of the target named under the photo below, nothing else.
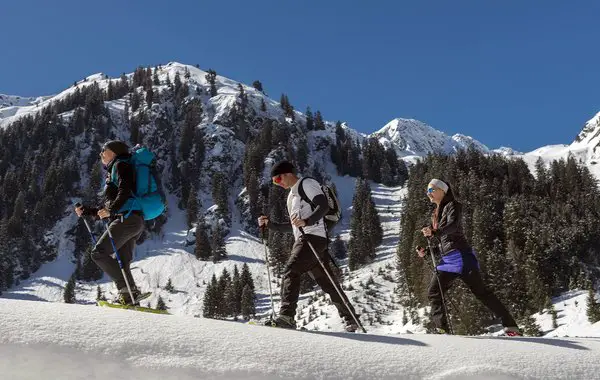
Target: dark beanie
(117, 146)
(282, 168)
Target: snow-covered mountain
(585, 149)
(10, 105)
(18, 101)
(413, 138)
(165, 256)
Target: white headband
(439, 184)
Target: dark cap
(282, 168)
(117, 146)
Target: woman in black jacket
(458, 259)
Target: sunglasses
(431, 190)
(277, 180)
(102, 150)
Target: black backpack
(334, 214)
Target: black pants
(473, 280)
(125, 233)
(303, 260)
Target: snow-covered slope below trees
(74, 341)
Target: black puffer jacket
(449, 229)
(116, 194)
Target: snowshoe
(124, 298)
(131, 307)
(283, 321)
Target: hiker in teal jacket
(127, 222)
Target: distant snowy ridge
(414, 138)
(10, 105)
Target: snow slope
(572, 320)
(10, 105)
(76, 342)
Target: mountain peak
(412, 137)
(590, 132)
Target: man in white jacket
(309, 218)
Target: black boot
(283, 321)
(125, 297)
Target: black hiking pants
(303, 260)
(125, 233)
(473, 280)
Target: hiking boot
(512, 331)
(349, 324)
(351, 327)
(283, 321)
(125, 298)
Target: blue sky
(513, 73)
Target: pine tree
(242, 97)
(229, 301)
(246, 277)
(248, 302)
(258, 86)
(355, 251)
(155, 79)
(100, 294)
(288, 109)
(169, 286)
(530, 326)
(203, 249)
(110, 92)
(338, 248)
(211, 299)
(160, 304)
(319, 123)
(149, 97)
(220, 194)
(218, 244)
(593, 307)
(69, 292)
(310, 122)
(224, 285)
(263, 105)
(554, 317)
(302, 154)
(236, 284)
(404, 318)
(192, 208)
(211, 78)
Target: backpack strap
(114, 180)
(305, 198)
(303, 195)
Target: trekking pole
(333, 282)
(440, 286)
(87, 225)
(262, 236)
(112, 242)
